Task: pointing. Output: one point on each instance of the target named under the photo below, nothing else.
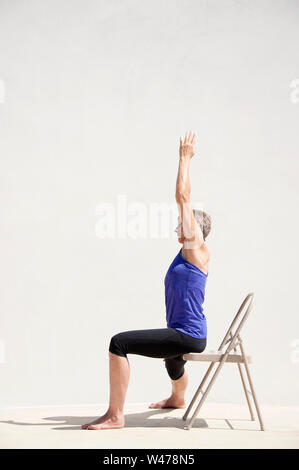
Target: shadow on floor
(132, 420)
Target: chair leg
(198, 390)
(246, 392)
(252, 390)
(243, 379)
(205, 395)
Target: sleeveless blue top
(184, 295)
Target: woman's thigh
(157, 342)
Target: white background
(97, 94)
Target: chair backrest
(231, 336)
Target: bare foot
(106, 422)
(169, 403)
(96, 421)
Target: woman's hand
(187, 147)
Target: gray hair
(204, 221)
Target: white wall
(95, 95)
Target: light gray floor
(217, 426)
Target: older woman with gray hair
(186, 331)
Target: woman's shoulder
(202, 251)
(200, 257)
(205, 250)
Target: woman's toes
(109, 424)
(85, 426)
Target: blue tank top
(184, 295)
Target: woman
(186, 329)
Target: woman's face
(179, 231)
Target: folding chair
(234, 341)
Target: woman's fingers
(186, 138)
(189, 138)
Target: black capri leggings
(160, 342)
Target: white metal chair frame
(234, 341)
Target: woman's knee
(116, 345)
(175, 367)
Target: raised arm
(192, 232)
